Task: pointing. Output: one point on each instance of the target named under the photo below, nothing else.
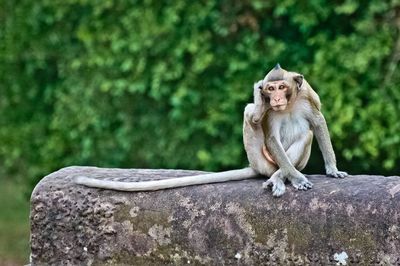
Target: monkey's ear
(298, 78)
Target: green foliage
(14, 225)
(164, 84)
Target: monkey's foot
(278, 187)
(333, 172)
(300, 182)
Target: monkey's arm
(321, 132)
(259, 102)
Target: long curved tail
(231, 175)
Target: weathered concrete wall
(219, 224)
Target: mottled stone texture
(235, 223)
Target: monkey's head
(280, 87)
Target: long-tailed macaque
(277, 133)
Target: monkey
(287, 112)
(278, 129)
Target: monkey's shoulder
(308, 93)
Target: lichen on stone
(217, 224)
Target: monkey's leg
(299, 153)
(253, 139)
(276, 181)
(286, 168)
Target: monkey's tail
(231, 175)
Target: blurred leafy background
(163, 84)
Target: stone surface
(353, 220)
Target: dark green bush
(163, 84)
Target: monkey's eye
(270, 88)
(281, 87)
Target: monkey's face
(277, 93)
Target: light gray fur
(289, 137)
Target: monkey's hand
(299, 181)
(258, 97)
(332, 171)
(259, 103)
(277, 184)
(258, 85)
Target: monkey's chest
(291, 128)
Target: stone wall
(354, 220)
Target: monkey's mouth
(280, 107)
